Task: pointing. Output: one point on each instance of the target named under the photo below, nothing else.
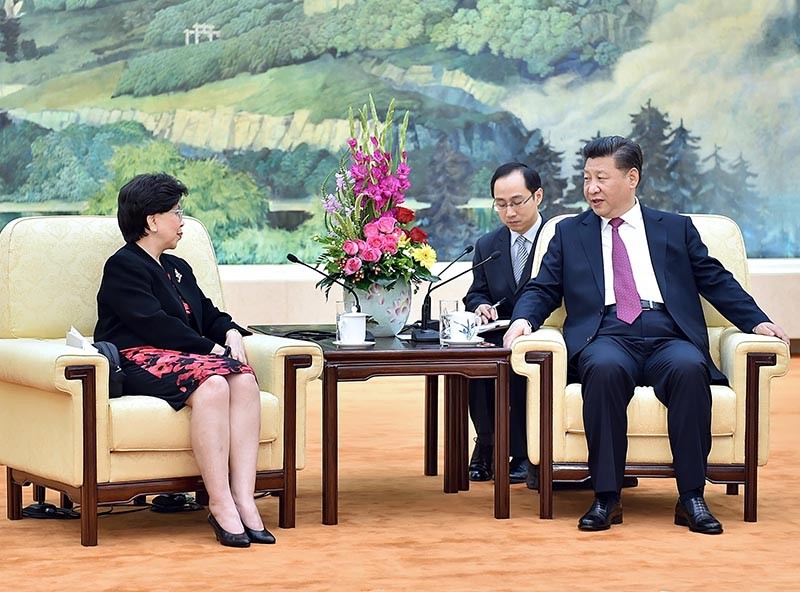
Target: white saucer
(357, 345)
(456, 343)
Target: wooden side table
(396, 357)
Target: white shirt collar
(632, 216)
(530, 235)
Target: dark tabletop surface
(324, 335)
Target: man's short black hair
(532, 180)
(143, 196)
(627, 153)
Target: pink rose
(386, 224)
(371, 229)
(352, 265)
(350, 247)
(375, 241)
(371, 255)
(362, 246)
(390, 244)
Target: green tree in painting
(547, 162)
(683, 168)
(650, 128)
(224, 200)
(16, 139)
(70, 164)
(719, 190)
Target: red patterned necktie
(629, 305)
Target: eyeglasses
(178, 212)
(501, 206)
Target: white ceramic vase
(388, 309)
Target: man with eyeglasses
(517, 193)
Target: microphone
(426, 334)
(293, 258)
(426, 303)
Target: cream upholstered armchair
(740, 412)
(58, 427)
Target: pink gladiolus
(350, 247)
(352, 265)
(371, 255)
(386, 224)
(352, 142)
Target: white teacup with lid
(352, 327)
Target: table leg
(451, 440)
(431, 425)
(330, 443)
(501, 411)
(463, 433)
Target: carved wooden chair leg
(13, 497)
(732, 489)
(66, 502)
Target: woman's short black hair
(143, 196)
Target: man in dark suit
(631, 280)
(517, 193)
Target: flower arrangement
(370, 238)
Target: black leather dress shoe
(695, 514)
(601, 515)
(518, 469)
(480, 465)
(228, 539)
(262, 537)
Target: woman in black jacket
(176, 345)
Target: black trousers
(650, 352)
(481, 410)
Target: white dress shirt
(530, 236)
(633, 234)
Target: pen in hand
(498, 303)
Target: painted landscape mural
(246, 101)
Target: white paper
(75, 339)
(498, 324)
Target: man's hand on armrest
(516, 329)
(771, 330)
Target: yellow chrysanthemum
(424, 255)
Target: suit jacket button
(588, 339)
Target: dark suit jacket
(495, 280)
(572, 268)
(139, 305)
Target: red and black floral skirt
(172, 375)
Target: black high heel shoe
(262, 537)
(229, 539)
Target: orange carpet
(398, 530)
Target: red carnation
(403, 215)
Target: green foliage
(257, 35)
(181, 68)
(70, 164)
(15, 151)
(296, 174)
(58, 5)
(542, 34)
(270, 245)
(223, 199)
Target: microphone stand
(424, 334)
(294, 259)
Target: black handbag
(115, 374)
